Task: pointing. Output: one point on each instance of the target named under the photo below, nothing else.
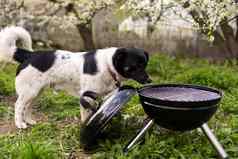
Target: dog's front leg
(88, 102)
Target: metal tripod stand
(206, 130)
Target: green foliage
(7, 80)
(59, 105)
(30, 144)
(215, 76)
(29, 150)
(163, 68)
(5, 111)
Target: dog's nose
(148, 80)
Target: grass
(57, 134)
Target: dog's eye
(129, 69)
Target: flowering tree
(217, 19)
(85, 10)
(210, 17)
(149, 9)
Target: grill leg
(213, 140)
(138, 136)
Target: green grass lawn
(57, 133)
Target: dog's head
(131, 63)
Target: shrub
(6, 84)
(215, 76)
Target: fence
(167, 38)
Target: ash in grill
(180, 94)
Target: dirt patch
(7, 127)
(79, 155)
(10, 100)
(68, 121)
(39, 116)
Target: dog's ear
(146, 55)
(118, 60)
(120, 54)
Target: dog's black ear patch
(118, 60)
(21, 55)
(120, 54)
(41, 60)
(146, 55)
(90, 63)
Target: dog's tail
(8, 49)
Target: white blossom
(212, 12)
(144, 8)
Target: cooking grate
(180, 94)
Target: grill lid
(97, 123)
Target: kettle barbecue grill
(176, 107)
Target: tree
(150, 9)
(217, 19)
(85, 10)
(211, 17)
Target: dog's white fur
(66, 74)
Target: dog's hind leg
(23, 106)
(28, 114)
(19, 112)
(23, 111)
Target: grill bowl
(179, 107)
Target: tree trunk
(230, 39)
(87, 36)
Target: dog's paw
(21, 125)
(30, 121)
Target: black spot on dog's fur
(64, 57)
(41, 60)
(90, 64)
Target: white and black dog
(87, 75)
